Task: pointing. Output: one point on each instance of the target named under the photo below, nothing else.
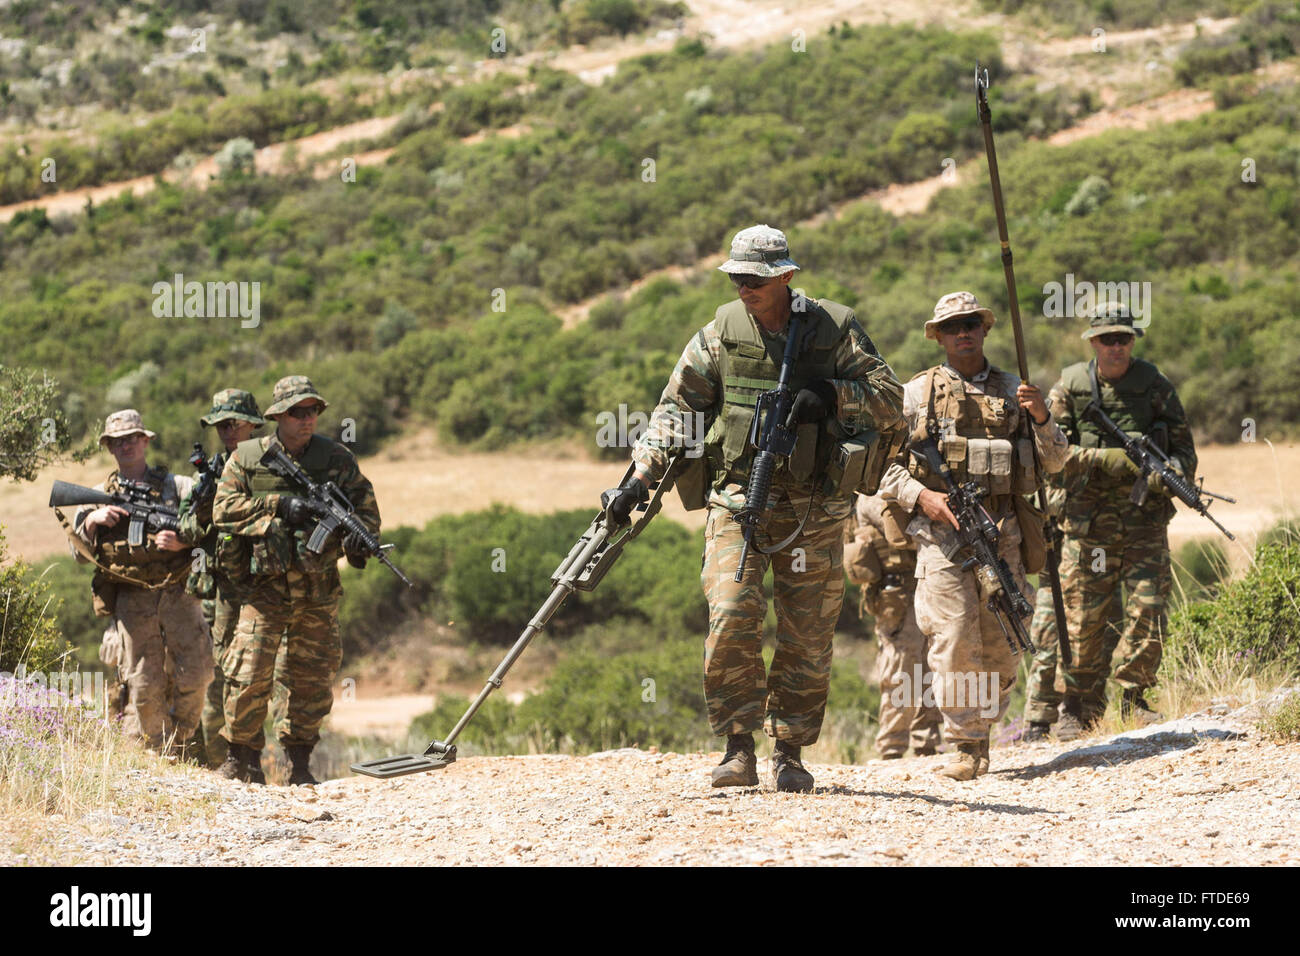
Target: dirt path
(1199, 791)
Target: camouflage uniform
(722, 369)
(292, 595)
(157, 628)
(1109, 541)
(880, 558)
(1042, 702)
(220, 596)
(966, 643)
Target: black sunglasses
(963, 324)
(1116, 338)
(741, 281)
(306, 411)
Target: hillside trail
(1200, 791)
(731, 24)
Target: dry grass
(62, 764)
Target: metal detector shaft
(564, 586)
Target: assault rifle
(583, 569)
(772, 441)
(206, 486)
(1150, 458)
(331, 508)
(979, 535)
(145, 511)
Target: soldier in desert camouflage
(839, 377)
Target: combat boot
(242, 763)
(1133, 706)
(982, 758)
(739, 767)
(929, 750)
(1070, 725)
(788, 774)
(1036, 731)
(300, 759)
(964, 763)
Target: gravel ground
(1197, 791)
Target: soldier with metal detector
(801, 412)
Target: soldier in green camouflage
(1111, 543)
(291, 595)
(235, 416)
(881, 559)
(841, 382)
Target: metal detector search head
(435, 758)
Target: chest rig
(980, 436)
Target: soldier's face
(294, 430)
(129, 450)
(962, 338)
(232, 431)
(1114, 350)
(765, 298)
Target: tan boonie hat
(233, 403)
(953, 306)
(1114, 317)
(291, 390)
(123, 423)
(759, 251)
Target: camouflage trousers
(903, 714)
(222, 616)
(165, 658)
(974, 669)
(1042, 702)
(291, 650)
(1093, 572)
(788, 702)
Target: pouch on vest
(692, 483)
(232, 555)
(848, 462)
(1033, 536)
(103, 594)
(861, 562)
(1000, 455)
(1024, 480)
(895, 521)
(888, 606)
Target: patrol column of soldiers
(839, 376)
(1109, 541)
(157, 627)
(271, 604)
(977, 408)
(881, 559)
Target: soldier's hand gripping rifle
(772, 439)
(332, 509)
(979, 536)
(145, 513)
(1150, 458)
(583, 568)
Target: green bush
(29, 633)
(1257, 618)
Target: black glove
(293, 511)
(619, 502)
(812, 404)
(354, 546)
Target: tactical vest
(982, 439)
(281, 550)
(145, 565)
(1134, 405)
(750, 367)
(204, 584)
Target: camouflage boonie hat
(123, 423)
(291, 390)
(233, 403)
(759, 251)
(1114, 317)
(953, 306)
